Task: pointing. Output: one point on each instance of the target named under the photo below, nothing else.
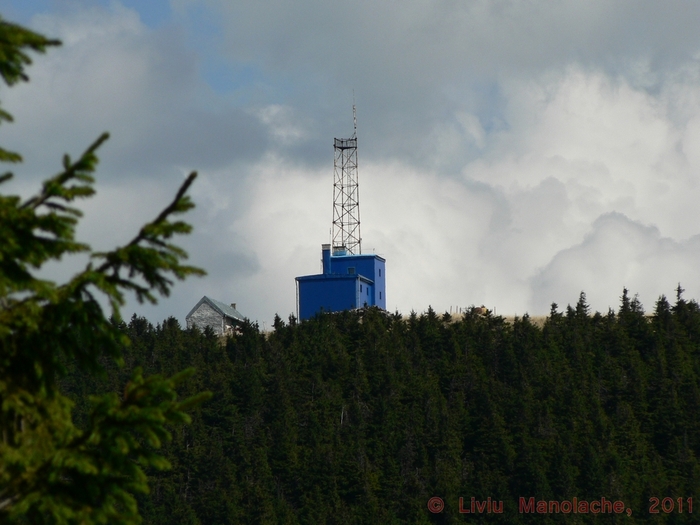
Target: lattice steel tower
(346, 195)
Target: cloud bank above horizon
(511, 154)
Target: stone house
(221, 317)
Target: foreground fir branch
(50, 470)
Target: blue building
(348, 281)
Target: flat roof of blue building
(359, 255)
(339, 276)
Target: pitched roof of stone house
(224, 309)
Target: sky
(511, 154)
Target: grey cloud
(416, 63)
(113, 74)
(189, 137)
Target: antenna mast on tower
(346, 195)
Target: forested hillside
(362, 417)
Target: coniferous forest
(363, 417)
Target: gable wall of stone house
(204, 316)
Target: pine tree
(52, 471)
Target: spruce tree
(51, 470)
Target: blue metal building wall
(347, 282)
(327, 293)
(366, 293)
(369, 266)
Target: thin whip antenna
(354, 116)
